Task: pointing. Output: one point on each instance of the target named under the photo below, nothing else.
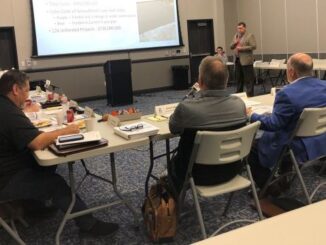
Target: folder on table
(65, 150)
(136, 130)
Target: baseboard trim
(135, 93)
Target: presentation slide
(88, 26)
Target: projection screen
(63, 27)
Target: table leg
(151, 165)
(115, 188)
(66, 217)
(152, 159)
(167, 146)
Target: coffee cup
(90, 124)
(60, 115)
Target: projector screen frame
(35, 46)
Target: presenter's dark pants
(44, 184)
(244, 75)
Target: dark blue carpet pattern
(132, 166)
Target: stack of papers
(41, 123)
(262, 109)
(156, 118)
(250, 103)
(136, 130)
(246, 100)
(165, 110)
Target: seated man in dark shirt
(20, 175)
(213, 109)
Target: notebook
(136, 130)
(72, 149)
(78, 138)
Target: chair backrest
(312, 122)
(213, 148)
(187, 140)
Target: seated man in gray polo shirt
(214, 109)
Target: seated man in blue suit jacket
(304, 91)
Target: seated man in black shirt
(212, 109)
(20, 175)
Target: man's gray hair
(10, 78)
(303, 67)
(213, 73)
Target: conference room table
(115, 144)
(319, 65)
(301, 226)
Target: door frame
(11, 31)
(211, 22)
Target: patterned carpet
(132, 166)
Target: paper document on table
(165, 110)
(242, 95)
(51, 128)
(274, 64)
(136, 130)
(37, 96)
(262, 109)
(52, 110)
(250, 103)
(157, 118)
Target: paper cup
(90, 124)
(273, 91)
(60, 116)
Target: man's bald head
(299, 65)
(213, 73)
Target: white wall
(285, 26)
(88, 82)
